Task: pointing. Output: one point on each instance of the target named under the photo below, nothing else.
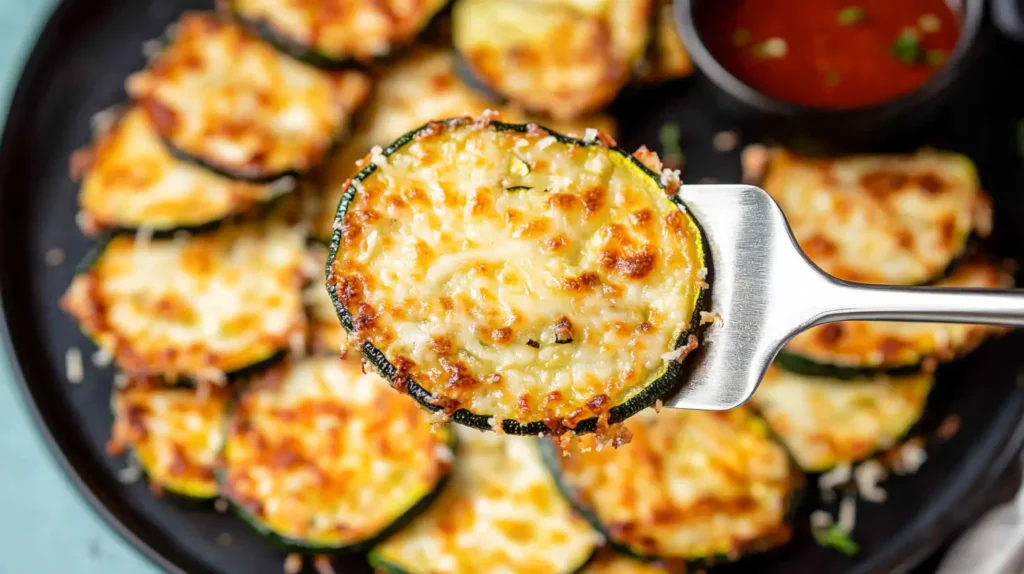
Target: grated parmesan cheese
(847, 514)
(821, 520)
(73, 368)
(838, 476)
(102, 358)
(867, 475)
(54, 257)
(590, 135)
(909, 458)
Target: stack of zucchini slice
(840, 392)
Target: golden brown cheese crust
(885, 344)
(320, 453)
(501, 507)
(223, 97)
(341, 30)
(690, 484)
(175, 434)
(421, 87)
(881, 219)
(551, 281)
(667, 57)
(132, 181)
(198, 306)
(561, 58)
(825, 422)
(608, 562)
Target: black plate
(78, 68)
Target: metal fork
(766, 291)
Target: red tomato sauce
(830, 53)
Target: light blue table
(45, 526)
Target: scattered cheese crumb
(73, 366)
(130, 473)
(821, 519)
(54, 257)
(102, 357)
(671, 180)
(838, 476)
(543, 143)
(293, 563)
(322, 563)
(590, 135)
(909, 458)
(847, 514)
(867, 475)
(377, 157)
(152, 48)
(120, 380)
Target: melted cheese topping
(667, 57)
(611, 563)
(825, 422)
(133, 181)
(689, 485)
(326, 333)
(419, 88)
(341, 31)
(881, 219)
(222, 96)
(564, 59)
(516, 276)
(893, 344)
(175, 433)
(327, 456)
(501, 509)
(199, 306)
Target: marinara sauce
(830, 53)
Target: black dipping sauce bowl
(813, 129)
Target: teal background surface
(45, 525)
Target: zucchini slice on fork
(220, 97)
(329, 35)
(517, 279)
(174, 433)
(558, 57)
(696, 486)
(130, 181)
(322, 457)
(501, 510)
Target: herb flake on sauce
(851, 15)
(907, 47)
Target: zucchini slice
(175, 433)
(322, 457)
(558, 57)
(198, 307)
(500, 509)
(667, 57)
(698, 486)
(327, 34)
(825, 422)
(326, 333)
(613, 563)
(897, 219)
(464, 250)
(222, 98)
(861, 348)
(132, 181)
(419, 88)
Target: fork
(766, 291)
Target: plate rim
(971, 498)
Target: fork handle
(926, 304)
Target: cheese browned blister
(420, 87)
(515, 275)
(557, 57)
(132, 181)
(224, 98)
(175, 434)
(889, 344)
(322, 455)
(332, 33)
(825, 422)
(691, 485)
(195, 306)
(500, 510)
(898, 219)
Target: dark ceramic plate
(78, 68)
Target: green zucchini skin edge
(252, 175)
(804, 366)
(265, 30)
(357, 547)
(383, 565)
(659, 387)
(550, 454)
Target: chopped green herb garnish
(1020, 138)
(929, 23)
(851, 15)
(671, 153)
(771, 48)
(741, 37)
(907, 47)
(834, 537)
(832, 78)
(935, 57)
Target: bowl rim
(973, 12)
